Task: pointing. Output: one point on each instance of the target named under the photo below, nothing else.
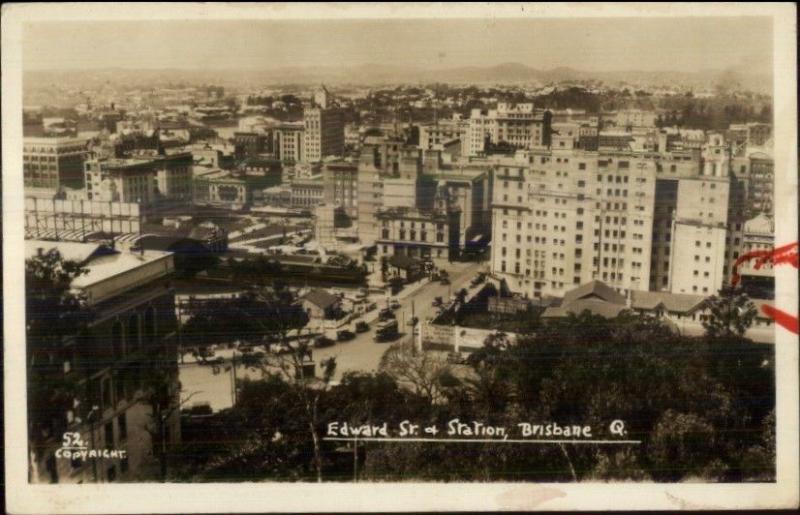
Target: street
(363, 354)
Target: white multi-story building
(435, 135)
(560, 220)
(701, 224)
(649, 221)
(519, 125)
(324, 129)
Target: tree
(54, 314)
(731, 313)
(419, 370)
(680, 445)
(272, 317)
(162, 396)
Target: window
(109, 435)
(150, 324)
(122, 424)
(116, 340)
(133, 332)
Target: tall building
(701, 224)
(649, 220)
(370, 193)
(341, 186)
(400, 186)
(288, 142)
(49, 162)
(324, 129)
(564, 219)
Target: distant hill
(756, 78)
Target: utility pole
(355, 460)
(233, 378)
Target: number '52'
(71, 440)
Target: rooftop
(104, 263)
(321, 298)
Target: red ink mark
(782, 255)
(786, 255)
(782, 318)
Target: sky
(609, 44)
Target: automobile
(345, 335)
(437, 302)
(323, 341)
(385, 314)
(480, 278)
(362, 327)
(386, 331)
(444, 280)
(394, 305)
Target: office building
(324, 129)
(53, 162)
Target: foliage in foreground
(702, 408)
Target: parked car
(362, 327)
(478, 279)
(394, 304)
(323, 341)
(437, 302)
(385, 314)
(386, 331)
(345, 335)
(444, 280)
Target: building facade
(341, 186)
(145, 180)
(563, 220)
(519, 125)
(50, 162)
(288, 142)
(424, 234)
(132, 333)
(324, 129)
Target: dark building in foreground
(112, 365)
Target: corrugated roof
(594, 289)
(69, 250)
(594, 306)
(674, 302)
(321, 298)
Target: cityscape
(362, 267)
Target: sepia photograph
(530, 246)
